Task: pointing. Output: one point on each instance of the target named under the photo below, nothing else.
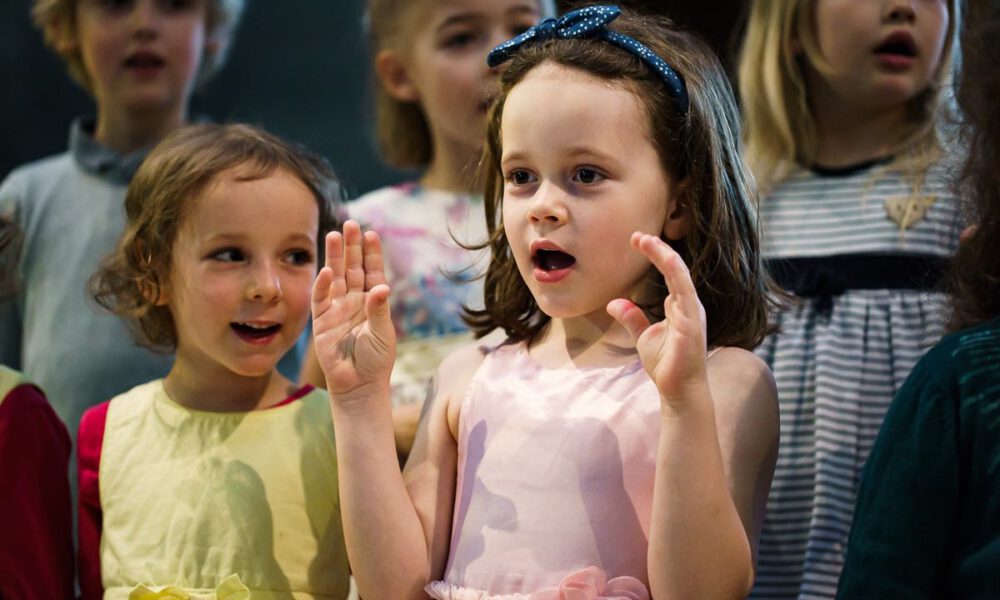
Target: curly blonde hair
(57, 17)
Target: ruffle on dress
(590, 583)
(230, 588)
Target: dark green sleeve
(904, 521)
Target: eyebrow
(472, 17)
(239, 237)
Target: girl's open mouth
(255, 333)
(551, 265)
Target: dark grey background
(298, 68)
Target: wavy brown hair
(721, 247)
(132, 279)
(975, 274)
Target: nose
(548, 206)
(264, 284)
(145, 19)
(900, 11)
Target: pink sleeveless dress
(555, 483)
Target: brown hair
(402, 131)
(780, 131)
(721, 247)
(56, 18)
(975, 273)
(135, 275)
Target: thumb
(630, 316)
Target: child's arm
(36, 545)
(718, 444)
(396, 532)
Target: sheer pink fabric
(555, 483)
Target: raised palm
(354, 336)
(673, 350)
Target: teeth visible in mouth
(553, 260)
(255, 326)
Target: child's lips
(898, 51)
(552, 263)
(144, 61)
(258, 333)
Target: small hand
(353, 332)
(673, 350)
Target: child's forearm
(698, 547)
(386, 544)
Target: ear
(678, 219)
(62, 33)
(394, 75)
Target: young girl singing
(220, 478)
(620, 443)
(841, 99)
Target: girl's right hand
(353, 332)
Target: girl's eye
(113, 5)
(587, 176)
(300, 257)
(520, 177)
(228, 255)
(459, 39)
(177, 5)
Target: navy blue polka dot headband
(592, 22)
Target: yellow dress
(220, 505)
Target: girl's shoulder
(459, 369)
(738, 376)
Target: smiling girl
(184, 486)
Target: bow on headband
(592, 22)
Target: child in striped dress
(858, 221)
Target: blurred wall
(299, 69)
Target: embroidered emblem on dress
(908, 211)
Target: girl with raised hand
(620, 442)
(841, 100)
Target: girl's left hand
(673, 350)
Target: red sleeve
(36, 548)
(89, 441)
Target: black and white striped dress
(839, 359)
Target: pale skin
(717, 448)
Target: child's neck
(127, 131)
(216, 389)
(452, 169)
(589, 341)
(848, 134)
